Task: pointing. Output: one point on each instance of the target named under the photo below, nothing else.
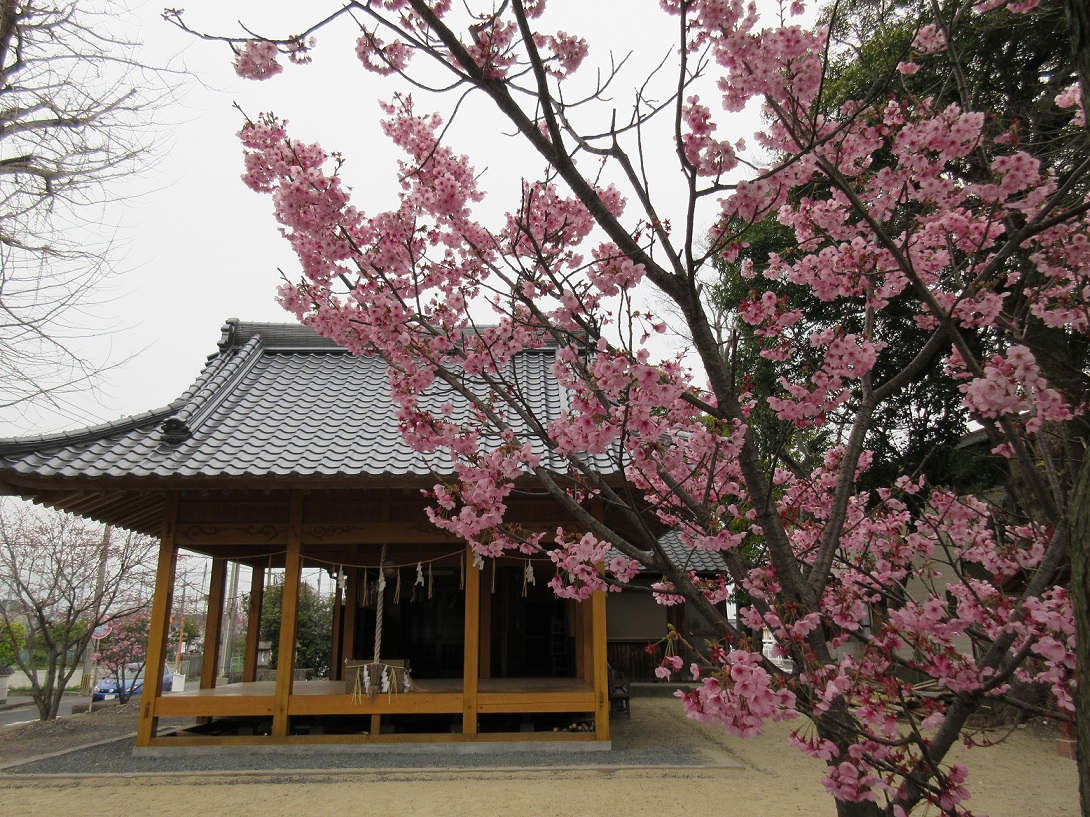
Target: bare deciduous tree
(60, 578)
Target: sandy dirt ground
(763, 777)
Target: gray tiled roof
(276, 401)
(696, 559)
(703, 562)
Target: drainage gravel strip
(116, 758)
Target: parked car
(108, 688)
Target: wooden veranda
(495, 697)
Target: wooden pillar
(213, 623)
(597, 604)
(351, 608)
(253, 623)
(472, 646)
(336, 657)
(599, 661)
(289, 608)
(584, 648)
(484, 612)
(160, 623)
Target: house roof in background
(695, 559)
(700, 561)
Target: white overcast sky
(198, 247)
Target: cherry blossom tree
(905, 606)
(60, 578)
(124, 651)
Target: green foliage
(313, 629)
(42, 645)
(1011, 65)
(190, 633)
(12, 643)
(1002, 58)
(753, 372)
(918, 432)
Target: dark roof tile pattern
(277, 401)
(700, 561)
(696, 559)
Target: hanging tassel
(397, 589)
(358, 690)
(493, 577)
(431, 582)
(462, 572)
(528, 577)
(366, 588)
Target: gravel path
(102, 742)
(662, 765)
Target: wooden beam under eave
(253, 622)
(203, 535)
(159, 629)
(293, 568)
(213, 622)
(472, 645)
(272, 536)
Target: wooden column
(160, 623)
(336, 657)
(285, 662)
(597, 604)
(213, 623)
(253, 623)
(584, 648)
(472, 646)
(351, 607)
(484, 613)
(599, 661)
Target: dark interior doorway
(531, 636)
(427, 629)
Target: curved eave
(11, 447)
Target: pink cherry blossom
(256, 59)
(896, 205)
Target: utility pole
(87, 681)
(181, 631)
(229, 639)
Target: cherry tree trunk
(837, 725)
(1078, 19)
(1080, 601)
(865, 809)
